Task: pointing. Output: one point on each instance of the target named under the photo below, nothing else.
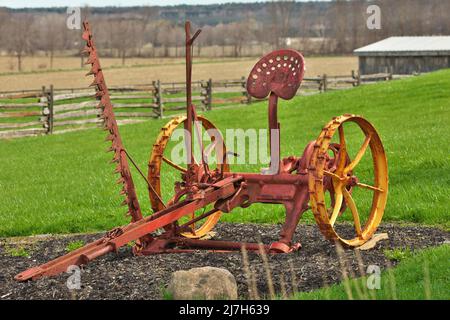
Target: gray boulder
(208, 283)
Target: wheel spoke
(331, 174)
(366, 186)
(337, 207)
(209, 149)
(338, 171)
(199, 139)
(193, 224)
(174, 165)
(351, 204)
(359, 155)
(342, 150)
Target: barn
(405, 55)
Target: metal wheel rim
(154, 169)
(316, 179)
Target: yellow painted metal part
(154, 171)
(317, 172)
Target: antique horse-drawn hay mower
(322, 179)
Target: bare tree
(4, 18)
(280, 13)
(53, 27)
(124, 40)
(177, 37)
(153, 33)
(337, 26)
(148, 16)
(238, 33)
(220, 37)
(164, 38)
(20, 36)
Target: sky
(102, 3)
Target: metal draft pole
(189, 108)
(188, 123)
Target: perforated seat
(280, 72)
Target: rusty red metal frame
(225, 190)
(277, 75)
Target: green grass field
(423, 276)
(63, 183)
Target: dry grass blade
(326, 288)
(293, 278)
(426, 280)
(270, 286)
(251, 283)
(283, 286)
(345, 279)
(359, 292)
(362, 273)
(392, 284)
(254, 286)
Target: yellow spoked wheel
(346, 183)
(162, 166)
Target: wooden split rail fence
(57, 110)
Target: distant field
(67, 72)
(63, 183)
(8, 64)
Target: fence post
(358, 79)
(158, 97)
(248, 98)
(45, 110)
(160, 103)
(50, 108)
(391, 72)
(207, 94)
(354, 78)
(324, 82)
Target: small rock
(207, 283)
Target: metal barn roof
(407, 46)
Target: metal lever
(196, 34)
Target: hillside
(212, 14)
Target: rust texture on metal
(323, 178)
(337, 175)
(110, 125)
(279, 72)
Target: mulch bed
(124, 276)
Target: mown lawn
(63, 183)
(423, 276)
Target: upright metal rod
(274, 132)
(189, 113)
